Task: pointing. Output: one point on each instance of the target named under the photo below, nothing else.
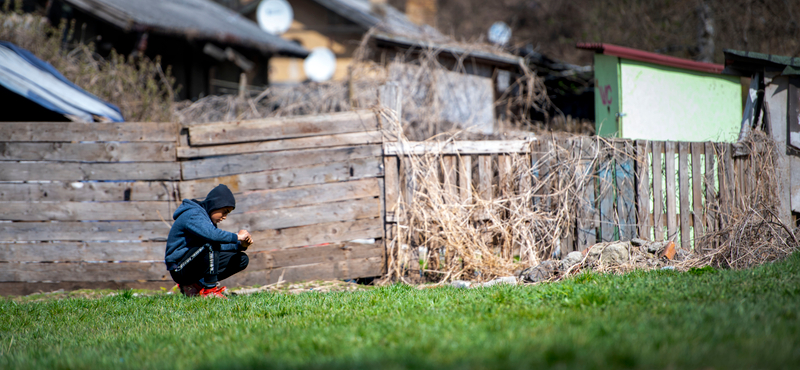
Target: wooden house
(207, 45)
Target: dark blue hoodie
(193, 226)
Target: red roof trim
(644, 56)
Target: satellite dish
(499, 33)
(320, 64)
(274, 16)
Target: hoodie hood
(219, 197)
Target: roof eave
(644, 56)
(485, 57)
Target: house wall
(666, 103)
(607, 95)
(314, 26)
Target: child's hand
(245, 238)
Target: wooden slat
(282, 128)
(535, 177)
(275, 179)
(392, 188)
(462, 147)
(83, 231)
(81, 251)
(711, 203)
(84, 271)
(449, 163)
(64, 171)
(546, 177)
(325, 141)
(26, 288)
(504, 171)
(726, 185)
(319, 254)
(348, 269)
(586, 228)
(626, 196)
(306, 195)
(485, 175)
(98, 131)
(465, 178)
(88, 191)
(643, 189)
(658, 196)
(255, 162)
(79, 211)
(88, 152)
(697, 191)
(305, 215)
(331, 232)
(669, 176)
(605, 198)
(685, 195)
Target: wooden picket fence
(654, 190)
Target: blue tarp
(26, 75)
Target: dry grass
(139, 87)
(525, 219)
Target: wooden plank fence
(89, 205)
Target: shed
(774, 100)
(643, 95)
(207, 45)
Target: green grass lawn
(662, 319)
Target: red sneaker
(211, 293)
(190, 290)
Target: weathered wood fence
(89, 205)
(623, 189)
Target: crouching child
(198, 254)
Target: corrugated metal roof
(192, 19)
(28, 76)
(745, 63)
(360, 12)
(501, 59)
(644, 56)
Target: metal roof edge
(645, 56)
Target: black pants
(210, 264)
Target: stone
(638, 242)
(511, 280)
(541, 272)
(615, 254)
(572, 259)
(460, 284)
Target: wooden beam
(81, 251)
(626, 194)
(88, 191)
(685, 195)
(321, 173)
(88, 152)
(643, 189)
(83, 271)
(457, 147)
(331, 232)
(658, 196)
(84, 231)
(312, 142)
(605, 201)
(485, 175)
(306, 195)
(391, 188)
(282, 128)
(89, 211)
(697, 191)
(92, 131)
(669, 175)
(66, 171)
(304, 215)
(256, 162)
(465, 178)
